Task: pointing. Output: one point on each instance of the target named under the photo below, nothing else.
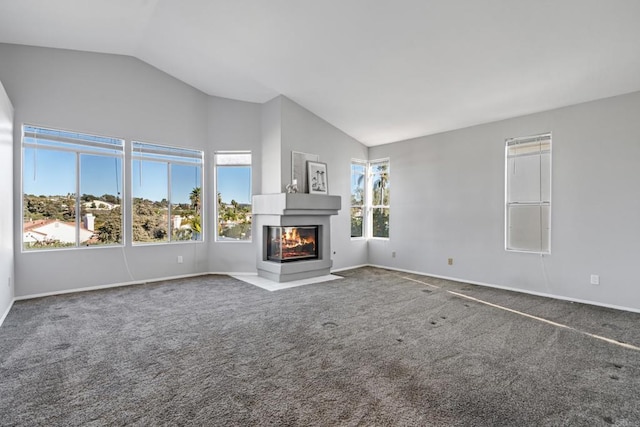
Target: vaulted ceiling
(379, 70)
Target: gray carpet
(374, 348)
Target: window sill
(177, 242)
(71, 248)
(522, 251)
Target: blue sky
(150, 181)
(49, 172)
(234, 183)
(52, 172)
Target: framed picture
(317, 178)
(299, 169)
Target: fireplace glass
(285, 244)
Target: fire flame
(291, 238)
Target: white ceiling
(380, 70)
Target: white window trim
(370, 206)
(368, 198)
(78, 151)
(364, 207)
(215, 186)
(545, 135)
(138, 155)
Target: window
(379, 187)
(528, 194)
(167, 194)
(358, 182)
(71, 189)
(370, 198)
(233, 190)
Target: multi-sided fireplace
(286, 244)
(292, 227)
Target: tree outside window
(233, 191)
(379, 171)
(370, 204)
(167, 193)
(72, 188)
(358, 178)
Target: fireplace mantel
(296, 204)
(294, 210)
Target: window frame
(216, 166)
(79, 143)
(539, 202)
(363, 205)
(371, 206)
(163, 155)
(368, 206)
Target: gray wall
(271, 133)
(123, 97)
(6, 195)
(304, 131)
(447, 200)
(110, 95)
(447, 190)
(233, 125)
(287, 127)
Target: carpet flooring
(375, 348)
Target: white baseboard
(508, 288)
(140, 282)
(107, 286)
(421, 273)
(6, 312)
(337, 270)
(234, 273)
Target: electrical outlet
(393, 254)
(595, 279)
(450, 261)
(179, 259)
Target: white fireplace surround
(290, 210)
